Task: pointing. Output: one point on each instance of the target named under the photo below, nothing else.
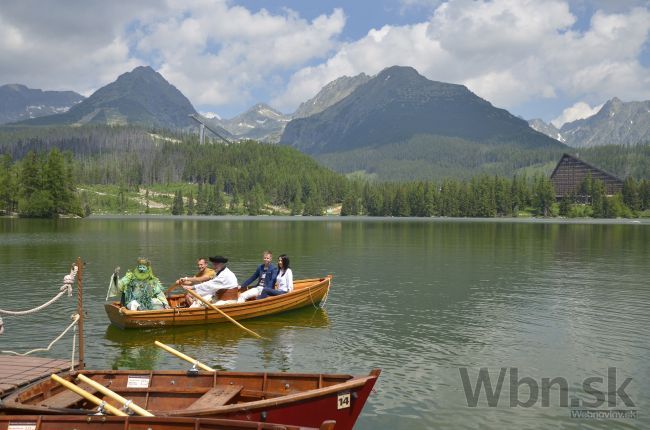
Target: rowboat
(287, 398)
(103, 422)
(306, 292)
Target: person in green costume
(142, 290)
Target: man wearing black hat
(223, 280)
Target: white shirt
(285, 281)
(224, 280)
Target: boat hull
(308, 292)
(285, 398)
(103, 422)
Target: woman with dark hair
(284, 279)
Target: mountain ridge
(397, 104)
(19, 102)
(141, 96)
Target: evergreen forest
(64, 171)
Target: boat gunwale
(10, 402)
(167, 317)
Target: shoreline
(338, 218)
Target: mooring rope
(323, 301)
(73, 323)
(68, 280)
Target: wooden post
(80, 310)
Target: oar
(86, 395)
(183, 356)
(198, 297)
(113, 395)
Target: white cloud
(579, 110)
(219, 54)
(509, 52)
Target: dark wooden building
(571, 171)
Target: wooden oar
(113, 395)
(86, 395)
(183, 356)
(198, 297)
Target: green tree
(543, 195)
(351, 203)
(8, 185)
(190, 204)
(255, 200)
(219, 202)
(177, 204)
(598, 198)
(631, 194)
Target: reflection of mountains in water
(225, 334)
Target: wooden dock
(17, 371)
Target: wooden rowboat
(103, 422)
(306, 292)
(285, 398)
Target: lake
(430, 302)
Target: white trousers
(253, 292)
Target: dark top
(269, 280)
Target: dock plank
(17, 371)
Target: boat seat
(230, 294)
(66, 398)
(216, 396)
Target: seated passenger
(284, 279)
(142, 290)
(224, 279)
(204, 274)
(265, 275)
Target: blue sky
(555, 59)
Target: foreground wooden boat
(103, 422)
(286, 398)
(306, 292)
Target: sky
(558, 60)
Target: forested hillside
(57, 171)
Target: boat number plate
(343, 400)
(137, 382)
(22, 426)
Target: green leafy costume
(142, 286)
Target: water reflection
(216, 345)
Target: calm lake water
(420, 299)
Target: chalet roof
(565, 156)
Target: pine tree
(219, 202)
(631, 194)
(8, 185)
(190, 204)
(598, 198)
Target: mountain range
(17, 102)
(393, 125)
(398, 104)
(616, 123)
(261, 122)
(141, 96)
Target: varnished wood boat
(285, 398)
(103, 422)
(306, 292)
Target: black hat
(218, 259)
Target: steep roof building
(570, 172)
